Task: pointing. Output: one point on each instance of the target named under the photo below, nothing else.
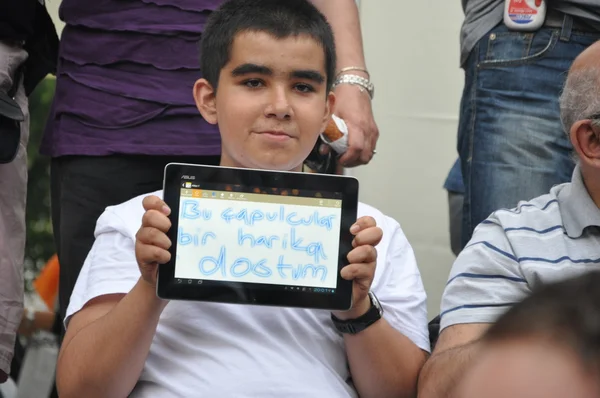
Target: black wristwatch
(354, 326)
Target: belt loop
(567, 28)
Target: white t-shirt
(227, 350)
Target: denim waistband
(567, 23)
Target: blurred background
(40, 244)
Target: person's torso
(541, 246)
(125, 79)
(225, 350)
(219, 350)
(483, 15)
(142, 50)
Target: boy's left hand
(361, 270)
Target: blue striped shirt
(550, 238)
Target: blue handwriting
(242, 266)
(301, 270)
(262, 240)
(314, 249)
(251, 217)
(190, 210)
(186, 238)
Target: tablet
(258, 237)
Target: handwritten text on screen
(228, 240)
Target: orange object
(332, 132)
(46, 284)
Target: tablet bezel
(250, 293)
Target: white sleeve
(399, 287)
(110, 267)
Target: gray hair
(580, 98)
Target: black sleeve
(17, 19)
(57, 326)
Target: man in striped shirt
(513, 252)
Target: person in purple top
(123, 107)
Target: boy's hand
(152, 243)
(361, 270)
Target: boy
(267, 85)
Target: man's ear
(329, 109)
(206, 100)
(586, 141)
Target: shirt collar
(577, 209)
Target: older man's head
(580, 114)
(580, 103)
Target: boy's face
(271, 102)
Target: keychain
(526, 15)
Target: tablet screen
(286, 239)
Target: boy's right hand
(152, 243)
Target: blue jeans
(511, 142)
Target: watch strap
(357, 325)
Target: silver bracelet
(363, 83)
(351, 68)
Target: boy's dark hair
(566, 313)
(279, 18)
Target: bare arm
(343, 18)
(454, 352)
(352, 105)
(384, 362)
(107, 342)
(42, 320)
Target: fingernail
(354, 228)
(166, 210)
(344, 273)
